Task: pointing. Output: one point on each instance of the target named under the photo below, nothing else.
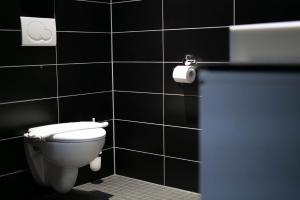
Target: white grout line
(83, 94)
(196, 28)
(168, 62)
(112, 84)
(172, 29)
(106, 149)
(87, 63)
(136, 92)
(132, 121)
(163, 82)
(160, 155)
(183, 159)
(158, 93)
(122, 62)
(49, 65)
(11, 138)
(27, 100)
(56, 69)
(89, 1)
(190, 128)
(19, 66)
(234, 14)
(129, 1)
(48, 98)
(183, 95)
(16, 172)
(134, 180)
(156, 124)
(138, 31)
(88, 32)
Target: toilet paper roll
(95, 165)
(184, 74)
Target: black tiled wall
(157, 120)
(44, 85)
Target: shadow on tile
(79, 195)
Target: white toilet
(55, 152)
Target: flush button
(38, 31)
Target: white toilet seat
(68, 132)
(78, 136)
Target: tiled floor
(123, 188)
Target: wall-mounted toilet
(55, 152)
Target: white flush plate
(38, 31)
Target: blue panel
(251, 135)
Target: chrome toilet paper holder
(190, 60)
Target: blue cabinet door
(251, 135)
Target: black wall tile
(186, 139)
(107, 168)
(138, 46)
(195, 13)
(256, 11)
(17, 118)
(10, 11)
(84, 78)
(139, 165)
(182, 111)
(109, 138)
(144, 15)
(143, 77)
(139, 107)
(12, 53)
(82, 16)
(21, 186)
(83, 47)
(20, 83)
(183, 174)
(206, 44)
(141, 137)
(12, 156)
(86, 107)
(173, 87)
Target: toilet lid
(65, 127)
(78, 136)
(69, 132)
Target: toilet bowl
(55, 152)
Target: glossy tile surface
(31, 8)
(13, 54)
(86, 107)
(139, 107)
(182, 111)
(143, 77)
(82, 48)
(256, 11)
(82, 16)
(84, 78)
(17, 118)
(140, 165)
(210, 45)
(144, 15)
(195, 13)
(118, 187)
(138, 46)
(183, 174)
(23, 83)
(182, 143)
(141, 137)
